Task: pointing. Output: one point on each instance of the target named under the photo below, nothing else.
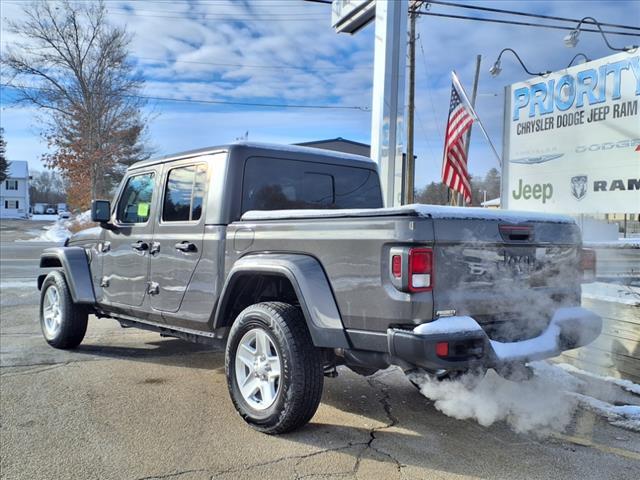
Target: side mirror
(100, 211)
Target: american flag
(454, 165)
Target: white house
(14, 191)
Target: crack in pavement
(384, 400)
(282, 459)
(48, 366)
(172, 475)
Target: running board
(191, 335)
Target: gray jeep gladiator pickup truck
(286, 256)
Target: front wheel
(63, 323)
(274, 373)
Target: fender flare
(74, 264)
(311, 287)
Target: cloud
(283, 51)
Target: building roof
(18, 169)
(329, 140)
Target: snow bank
(625, 416)
(44, 217)
(59, 231)
(627, 385)
(611, 292)
(542, 404)
(621, 243)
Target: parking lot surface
(129, 404)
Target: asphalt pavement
(129, 404)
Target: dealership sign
(572, 139)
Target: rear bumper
(469, 346)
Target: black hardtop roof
(253, 148)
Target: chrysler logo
(579, 186)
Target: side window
(184, 194)
(135, 201)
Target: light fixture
(571, 40)
(496, 68)
(586, 59)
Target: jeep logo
(537, 191)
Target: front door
(178, 238)
(126, 247)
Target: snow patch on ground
(611, 292)
(57, 233)
(625, 416)
(627, 385)
(544, 403)
(17, 284)
(49, 217)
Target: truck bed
(482, 267)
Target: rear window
(278, 184)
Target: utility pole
(474, 94)
(410, 166)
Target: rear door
(178, 239)
(126, 244)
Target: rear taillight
(420, 269)
(396, 266)
(411, 269)
(588, 264)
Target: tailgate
(510, 277)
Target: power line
(216, 102)
(513, 22)
(525, 14)
(525, 24)
(205, 16)
(271, 67)
(433, 107)
(265, 15)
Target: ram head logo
(579, 186)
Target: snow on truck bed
(430, 211)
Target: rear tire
(274, 373)
(63, 323)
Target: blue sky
(285, 51)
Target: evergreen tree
(4, 164)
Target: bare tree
(47, 187)
(74, 66)
(4, 164)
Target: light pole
(571, 40)
(496, 68)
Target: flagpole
(465, 99)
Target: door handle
(185, 246)
(140, 246)
(155, 248)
